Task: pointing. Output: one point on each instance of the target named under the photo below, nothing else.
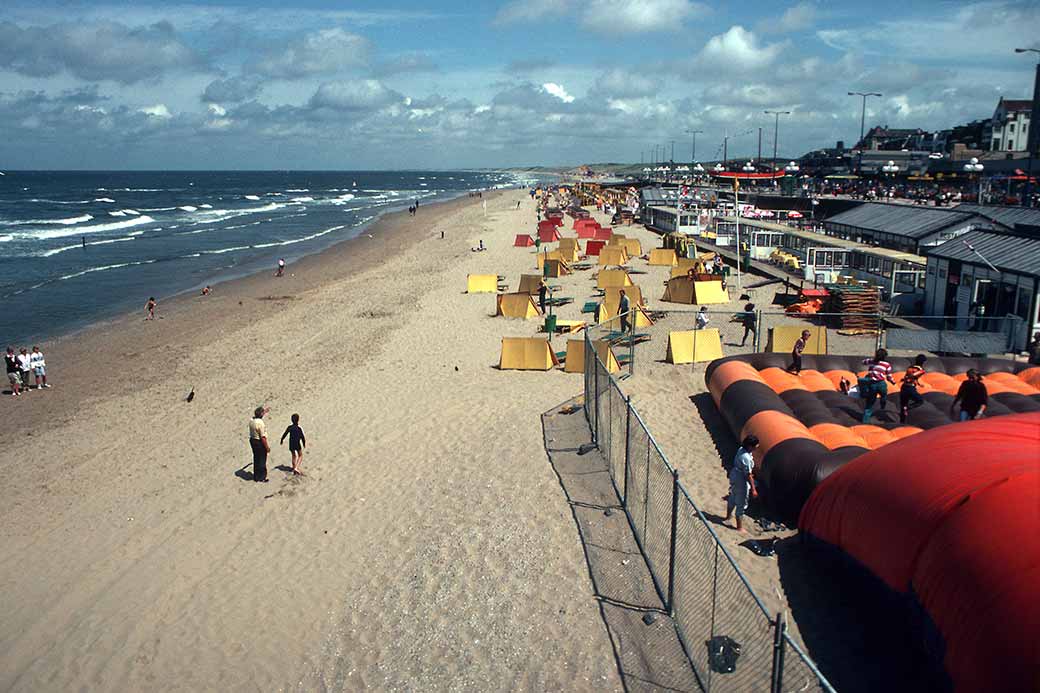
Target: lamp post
(776, 128)
(693, 147)
(975, 167)
(863, 119)
(1033, 143)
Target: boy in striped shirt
(879, 370)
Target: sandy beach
(428, 547)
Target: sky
(321, 84)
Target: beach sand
(429, 547)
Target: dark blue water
(76, 247)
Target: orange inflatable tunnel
(948, 520)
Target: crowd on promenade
(24, 369)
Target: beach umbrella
(794, 215)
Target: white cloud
(737, 50)
(558, 91)
(795, 18)
(217, 110)
(355, 95)
(159, 110)
(638, 16)
(531, 10)
(319, 53)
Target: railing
(728, 635)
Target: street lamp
(975, 167)
(1033, 143)
(862, 119)
(693, 148)
(749, 167)
(776, 127)
(792, 168)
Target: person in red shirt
(909, 397)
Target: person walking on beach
(150, 307)
(747, 319)
(796, 352)
(39, 367)
(281, 268)
(13, 372)
(25, 368)
(543, 289)
(702, 318)
(623, 307)
(875, 382)
(741, 482)
(909, 397)
(297, 442)
(258, 444)
(972, 396)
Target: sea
(80, 247)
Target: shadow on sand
(647, 650)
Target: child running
(909, 397)
(297, 442)
(879, 370)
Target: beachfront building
(998, 276)
(906, 228)
(1009, 127)
(824, 259)
(666, 210)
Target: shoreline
(119, 314)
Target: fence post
(880, 326)
(671, 546)
(757, 340)
(779, 642)
(595, 375)
(632, 345)
(628, 434)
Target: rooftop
(1017, 104)
(1006, 252)
(1003, 215)
(899, 220)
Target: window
(1011, 128)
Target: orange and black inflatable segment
(808, 427)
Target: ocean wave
(319, 234)
(252, 197)
(227, 250)
(297, 190)
(104, 199)
(303, 199)
(55, 251)
(158, 209)
(43, 234)
(205, 206)
(188, 208)
(5, 237)
(61, 202)
(102, 268)
(119, 213)
(37, 222)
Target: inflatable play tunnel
(949, 520)
(809, 429)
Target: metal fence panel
(799, 673)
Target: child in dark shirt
(297, 442)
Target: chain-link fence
(730, 639)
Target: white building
(1010, 125)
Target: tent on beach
(481, 283)
(527, 354)
(556, 268)
(516, 305)
(523, 241)
(548, 235)
(663, 257)
(608, 278)
(594, 247)
(603, 234)
(682, 290)
(587, 231)
(575, 362)
(529, 283)
(634, 293)
(613, 255)
(694, 346)
(608, 313)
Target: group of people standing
(24, 368)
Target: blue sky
(340, 85)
